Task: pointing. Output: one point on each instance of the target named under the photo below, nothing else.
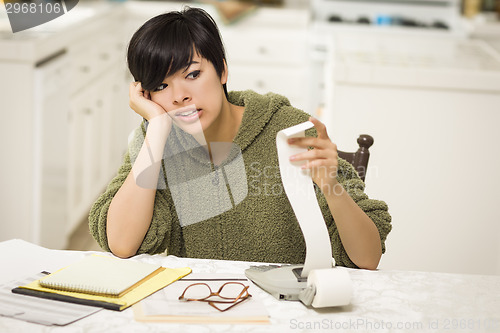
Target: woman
(161, 198)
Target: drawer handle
(260, 84)
(262, 50)
(85, 69)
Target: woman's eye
(193, 74)
(161, 87)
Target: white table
(383, 301)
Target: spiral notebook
(101, 275)
(140, 291)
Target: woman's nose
(181, 95)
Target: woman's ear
(223, 77)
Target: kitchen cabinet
(66, 103)
(99, 127)
(98, 119)
(270, 55)
(50, 151)
(89, 114)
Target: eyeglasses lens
(197, 291)
(232, 290)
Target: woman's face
(193, 97)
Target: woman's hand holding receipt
(357, 231)
(322, 161)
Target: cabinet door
(51, 153)
(80, 142)
(289, 82)
(281, 47)
(108, 137)
(268, 59)
(98, 143)
(76, 127)
(123, 119)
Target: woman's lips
(188, 115)
(188, 119)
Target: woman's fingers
(324, 152)
(141, 103)
(307, 142)
(322, 160)
(320, 128)
(135, 88)
(135, 93)
(314, 154)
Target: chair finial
(365, 141)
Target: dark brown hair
(167, 43)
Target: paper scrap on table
(299, 188)
(38, 310)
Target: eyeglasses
(230, 292)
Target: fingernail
(292, 158)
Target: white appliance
(349, 19)
(431, 100)
(432, 15)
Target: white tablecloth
(383, 301)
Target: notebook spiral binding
(80, 288)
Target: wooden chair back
(359, 159)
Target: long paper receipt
(299, 188)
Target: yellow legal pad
(139, 291)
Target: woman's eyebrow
(189, 65)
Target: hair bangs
(177, 50)
(167, 43)
(169, 53)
